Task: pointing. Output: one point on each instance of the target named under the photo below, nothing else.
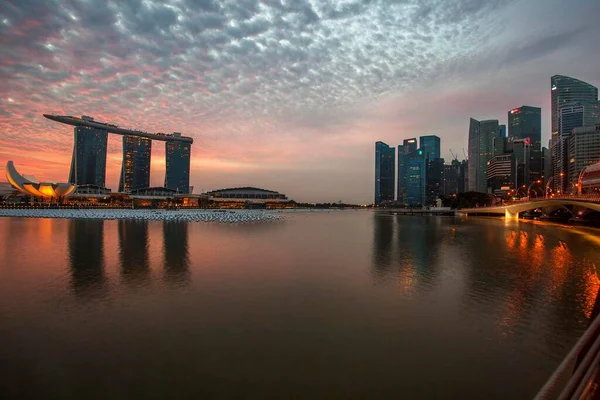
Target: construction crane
(465, 154)
(454, 156)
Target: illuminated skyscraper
(177, 176)
(526, 123)
(431, 146)
(135, 170)
(88, 165)
(481, 141)
(385, 157)
(570, 99)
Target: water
(318, 305)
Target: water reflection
(133, 252)
(175, 251)
(86, 256)
(406, 252)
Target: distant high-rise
(525, 122)
(408, 146)
(415, 172)
(481, 136)
(177, 176)
(502, 129)
(431, 146)
(567, 92)
(384, 172)
(88, 165)
(435, 180)
(135, 169)
(500, 172)
(583, 151)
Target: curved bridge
(512, 210)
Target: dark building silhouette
(384, 172)
(88, 165)
(135, 169)
(177, 176)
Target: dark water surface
(318, 305)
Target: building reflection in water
(383, 246)
(133, 252)
(175, 252)
(405, 250)
(86, 257)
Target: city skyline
(286, 97)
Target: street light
(529, 189)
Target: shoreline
(190, 215)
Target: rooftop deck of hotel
(88, 121)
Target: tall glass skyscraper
(385, 159)
(88, 165)
(525, 122)
(431, 146)
(567, 92)
(481, 142)
(416, 178)
(177, 176)
(135, 170)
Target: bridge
(512, 210)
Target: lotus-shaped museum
(28, 184)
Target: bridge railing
(578, 375)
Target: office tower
(584, 150)
(384, 172)
(415, 178)
(569, 93)
(565, 90)
(500, 174)
(546, 165)
(177, 176)
(525, 122)
(502, 130)
(409, 145)
(435, 180)
(430, 145)
(88, 164)
(135, 169)
(570, 116)
(481, 139)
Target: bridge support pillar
(509, 215)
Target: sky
(286, 95)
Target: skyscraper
(135, 169)
(525, 122)
(481, 136)
(435, 180)
(431, 146)
(177, 176)
(584, 150)
(415, 172)
(408, 146)
(384, 172)
(88, 165)
(566, 92)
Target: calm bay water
(318, 305)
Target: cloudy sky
(287, 95)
